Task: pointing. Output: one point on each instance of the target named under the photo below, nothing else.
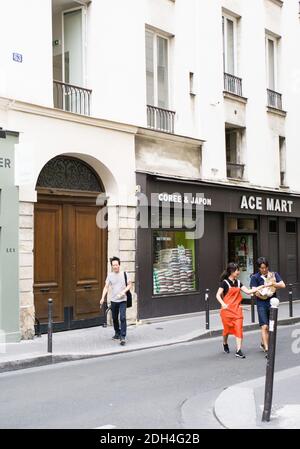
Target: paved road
(145, 389)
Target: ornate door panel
(48, 260)
(89, 255)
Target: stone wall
(122, 243)
(26, 270)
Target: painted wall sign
(266, 204)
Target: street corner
(283, 417)
(235, 408)
(197, 412)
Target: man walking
(117, 280)
(272, 282)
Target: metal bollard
(207, 308)
(271, 360)
(50, 325)
(252, 309)
(291, 299)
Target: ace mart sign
(258, 203)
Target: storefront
(229, 224)
(9, 241)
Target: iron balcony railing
(233, 84)
(160, 119)
(274, 99)
(71, 98)
(235, 171)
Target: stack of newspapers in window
(173, 271)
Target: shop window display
(174, 263)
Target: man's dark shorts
(263, 310)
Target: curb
(51, 359)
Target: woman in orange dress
(230, 297)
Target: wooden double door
(70, 254)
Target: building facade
(106, 104)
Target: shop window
(273, 226)
(290, 227)
(174, 263)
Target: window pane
(291, 226)
(162, 72)
(149, 68)
(73, 47)
(174, 263)
(231, 146)
(230, 46)
(273, 225)
(271, 61)
(223, 36)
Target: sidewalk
(97, 341)
(241, 406)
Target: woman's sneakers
(226, 348)
(240, 354)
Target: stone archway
(70, 251)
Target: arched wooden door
(70, 250)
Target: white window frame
(275, 41)
(84, 41)
(155, 35)
(282, 159)
(226, 16)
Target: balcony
(274, 99)
(235, 171)
(71, 98)
(160, 119)
(233, 84)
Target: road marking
(107, 426)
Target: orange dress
(232, 317)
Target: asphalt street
(147, 389)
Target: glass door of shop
(242, 250)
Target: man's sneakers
(240, 354)
(118, 337)
(226, 348)
(262, 346)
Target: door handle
(45, 290)
(87, 286)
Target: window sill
(277, 2)
(234, 97)
(238, 180)
(280, 112)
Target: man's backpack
(128, 293)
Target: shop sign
(185, 199)
(5, 162)
(266, 204)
